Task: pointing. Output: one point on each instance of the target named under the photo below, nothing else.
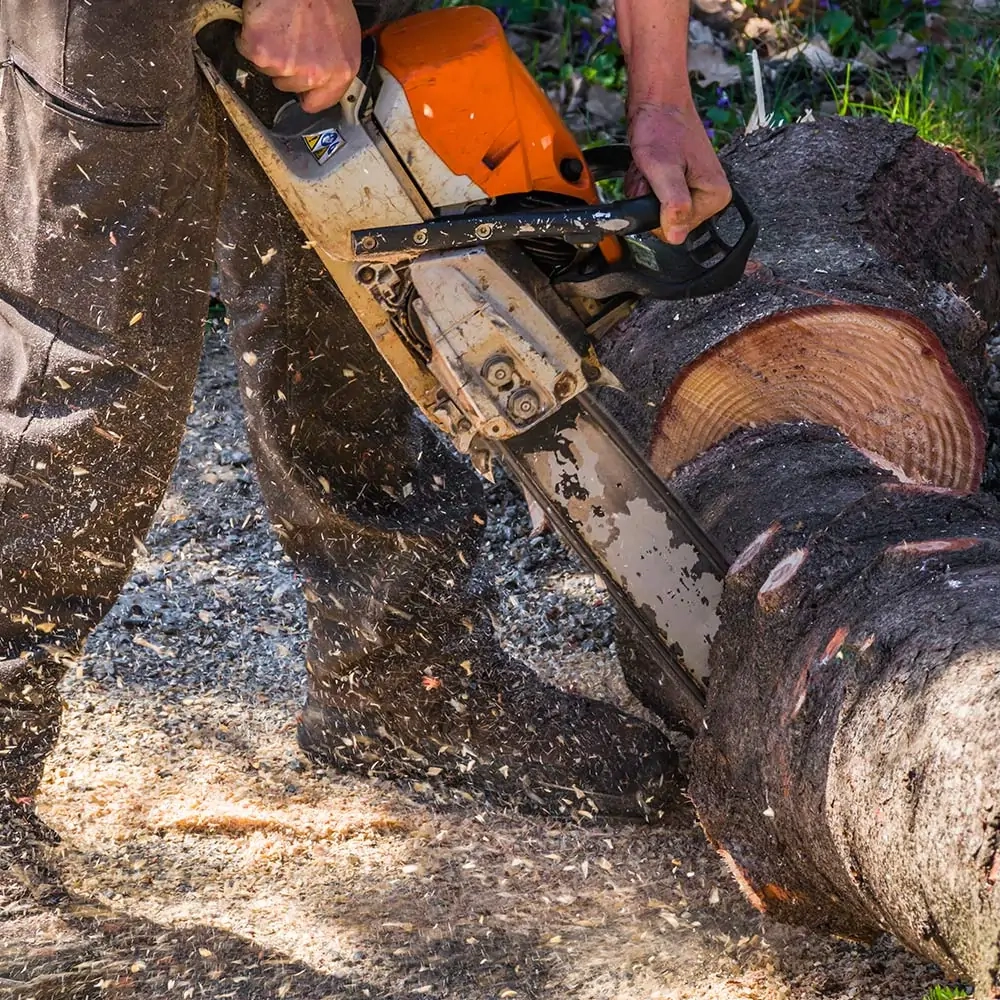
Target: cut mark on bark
(742, 881)
(834, 645)
(931, 546)
(800, 691)
(799, 694)
(879, 376)
(754, 549)
(769, 596)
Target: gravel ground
(209, 859)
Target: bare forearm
(653, 36)
(670, 150)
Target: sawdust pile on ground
(210, 860)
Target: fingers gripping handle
(221, 10)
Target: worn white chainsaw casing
(442, 188)
(484, 361)
(477, 315)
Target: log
(878, 376)
(824, 421)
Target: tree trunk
(823, 421)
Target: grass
(946, 993)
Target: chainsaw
(466, 229)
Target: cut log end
(879, 376)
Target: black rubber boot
(24, 870)
(460, 709)
(383, 524)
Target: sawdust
(207, 858)
(235, 819)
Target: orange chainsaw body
(477, 106)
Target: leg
(383, 522)
(107, 227)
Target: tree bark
(847, 769)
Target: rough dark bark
(851, 211)
(848, 766)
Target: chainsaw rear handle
(353, 104)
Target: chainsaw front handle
(707, 262)
(216, 10)
(221, 10)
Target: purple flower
(502, 12)
(708, 128)
(921, 49)
(721, 98)
(609, 28)
(583, 45)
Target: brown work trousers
(119, 188)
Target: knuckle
(679, 206)
(254, 46)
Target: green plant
(954, 108)
(946, 993)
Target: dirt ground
(209, 859)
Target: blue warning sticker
(324, 144)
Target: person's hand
(309, 47)
(673, 156)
